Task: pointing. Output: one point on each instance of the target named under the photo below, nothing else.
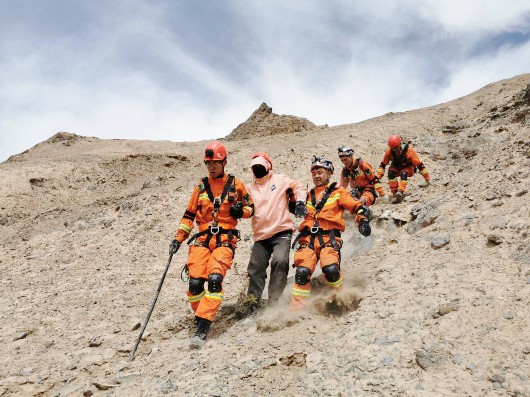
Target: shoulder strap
(207, 188)
(404, 154)
(322, 202)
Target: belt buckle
(314, 229)
(217, 201)
(214, 229)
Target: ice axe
(173, 248)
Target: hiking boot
(425, 184)
(199, 338)
(398, 198)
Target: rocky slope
(444, 278)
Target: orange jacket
(330, 216)
(200, 207)
(411, 158)
(362, 176)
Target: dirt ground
(436, 300)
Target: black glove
(364, 211)
(364, 228)
(236, 210)
(174, 247)
(300, 210)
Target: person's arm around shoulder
(244, 202)
(300, 196)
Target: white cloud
(136, 74)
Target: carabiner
(214, 230)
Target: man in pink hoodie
(273, 195)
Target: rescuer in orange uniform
(403, 162)
(320, 232)
(360, 176)
(216, 204)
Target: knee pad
(215, 282)
(391, 174)
(331, 272)
(196, 285)
(302, 275)
(404, 176)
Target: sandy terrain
(444, 279)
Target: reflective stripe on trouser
(425, 174)
(379, 189)
(402, 185)
(201, 263)
(308, 258)
(194, 299)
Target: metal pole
(131, 357)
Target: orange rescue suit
(211, 254)
(403, 166)
(361, 177)
(311, 249)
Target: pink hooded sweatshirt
(271, 203)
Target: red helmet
(215, 151)
(394, 140)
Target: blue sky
(191, 70)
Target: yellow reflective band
(309, 205)
(392, 180)
(195, 298)
(335, 284)
(424, 171)
(204, 196)
(377, 185)
(300, 292)
(185, 228)
(215, 295)
(404, 181)
(331, 200)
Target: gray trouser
(278, 247)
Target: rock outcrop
(265, 123)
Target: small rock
(508, 315)
(419, 386)
(136, 326)
(387, 361)
(526, 350)
(26, 372)
(124, 378)
(457, 359)
(88, 393)
(471, 366)
(497, 385)
(103, 386)
(94, 342)
(496, 378)
(448, 308)
(497, 203)
(490, 196)
(521, 193)
(439, 242)
(425, 359)
(21, 336)
(494, 239)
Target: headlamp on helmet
(322, 163)
(345, 151)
